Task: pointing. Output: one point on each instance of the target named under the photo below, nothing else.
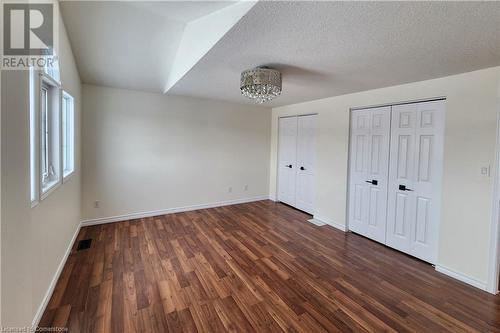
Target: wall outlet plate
(485, 171)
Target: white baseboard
(48, 294)
(462, 277)
(330, 222)
(316, 222)
(141, 215)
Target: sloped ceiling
(322, 48)
(133, 45)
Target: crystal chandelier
(261, 84)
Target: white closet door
(287, 157)
(401, 203)
(306, 163)
(415, 178)
(369, 164)
(428, 178)
(359, 153)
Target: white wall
(33, 240)
(472, 103)
(145, 152)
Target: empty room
(250, 166)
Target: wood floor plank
(256, 267)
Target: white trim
(461, 277)
(50, 79)
(68, 176)
(423, 100)
(299, 115)
(47, 80)
(273, 198)
(141, 215)
(316, 222)
(494, 250)
(55, 278)
(66, 96)
(45, 193)
(330, 222)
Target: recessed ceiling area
(322, 48)
(130, 45)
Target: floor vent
(84, 244)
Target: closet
(297, 161)
(395, 171)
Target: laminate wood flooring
(256, 267)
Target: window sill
(67, 176)
(50, 188)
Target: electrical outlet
(96, 204)
(246, 188)
(485, 171)
(230, 189)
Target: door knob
(302, 168)
(289, 166)
(403, 188)
(373, 181)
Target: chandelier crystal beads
(261, 84)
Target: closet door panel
(401, 203)
(306, 163)
(369, 162)
(287, 159)
(378, 171)
(415, 178)
(359, 164)
(429, 134)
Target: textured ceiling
(331, 48)
(129, 44)
(323, 48)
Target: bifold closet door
(287, 158)
(306, 163)
(414, 196)
(369, 167)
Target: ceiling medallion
(261, 84)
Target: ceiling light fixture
(261, 84)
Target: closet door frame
(440, 181)
(278, 161)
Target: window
(33, 139)
(52, 134)
(68, 134)
(49, 134)
(53, 71)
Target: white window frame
(38, 79)
(68, 139)
(54, 87)
(34, 138)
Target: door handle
(302, 168)
(289, 166)
(373, 181)
(403, 188)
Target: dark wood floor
(257, 267)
